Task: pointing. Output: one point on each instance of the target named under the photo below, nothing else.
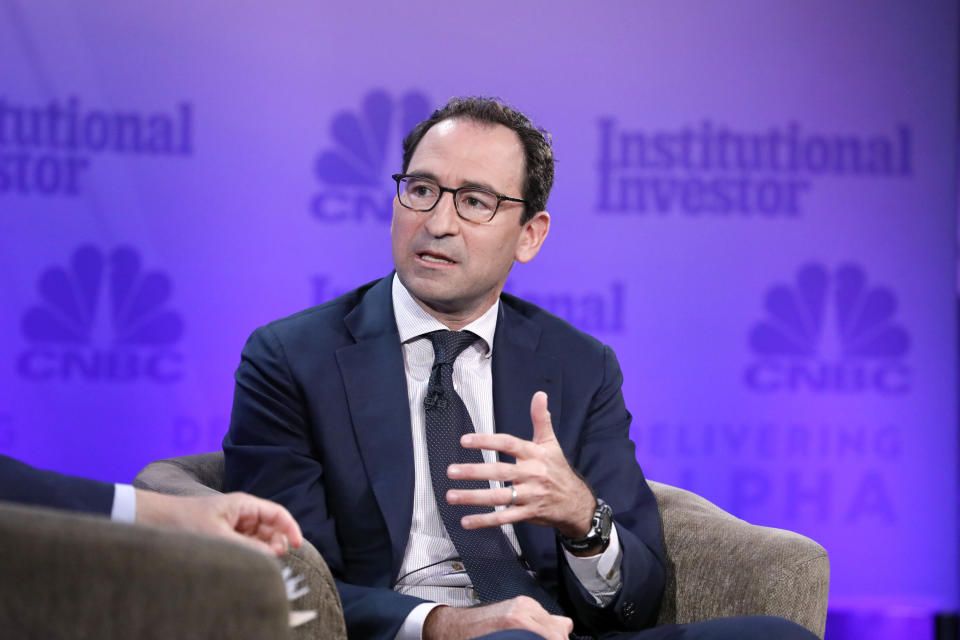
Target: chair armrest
(719, 565)
(69, 575)
(194, 476)
(323, 597)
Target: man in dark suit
(460, 457)
(241, 518)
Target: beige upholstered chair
(69, 575)
(719, 565)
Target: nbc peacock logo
(103, 318)
(829, 331)
(355, 172)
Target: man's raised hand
(548, 492)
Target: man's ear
(532, 235)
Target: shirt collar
(413, 321)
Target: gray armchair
(719, 565)
(203, 474)
(78, 576)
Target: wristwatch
(599, 533)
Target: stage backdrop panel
(754, 206)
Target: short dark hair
(537, 148)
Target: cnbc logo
(829, 332)
(354, 173)
(102, 318)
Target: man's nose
(443, 219)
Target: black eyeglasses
(473, 204)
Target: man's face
(454, 268)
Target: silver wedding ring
(513, 500)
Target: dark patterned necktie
(491, 561)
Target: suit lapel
(518, 372)
(375, 383)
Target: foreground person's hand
(238, 517)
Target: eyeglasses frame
(453, 194)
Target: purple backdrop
(755, 206)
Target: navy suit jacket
(22, 483)
(321, 424)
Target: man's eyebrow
(480, 185)
(424, 174)
(470, 184)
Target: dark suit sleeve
(269, 452)
(24, 484)
(606, 459)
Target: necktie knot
(447, 345)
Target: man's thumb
(540, 416)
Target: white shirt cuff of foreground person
(599, 574)
(124, 503)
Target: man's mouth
(435, 258)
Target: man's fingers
(564, 622)
(481, 497)
(279, 543)
(501, 471)
(263, 518)
(540, 416)
(502, 442)
(524, 612)
(279, 519)
(283, 522)
(496, 518)
(252, 532)
(253, 543)
(251, 521)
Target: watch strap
(599, 533)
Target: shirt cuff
(599, 574)
(412, 627)
(124, 503)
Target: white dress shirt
(431, 567)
